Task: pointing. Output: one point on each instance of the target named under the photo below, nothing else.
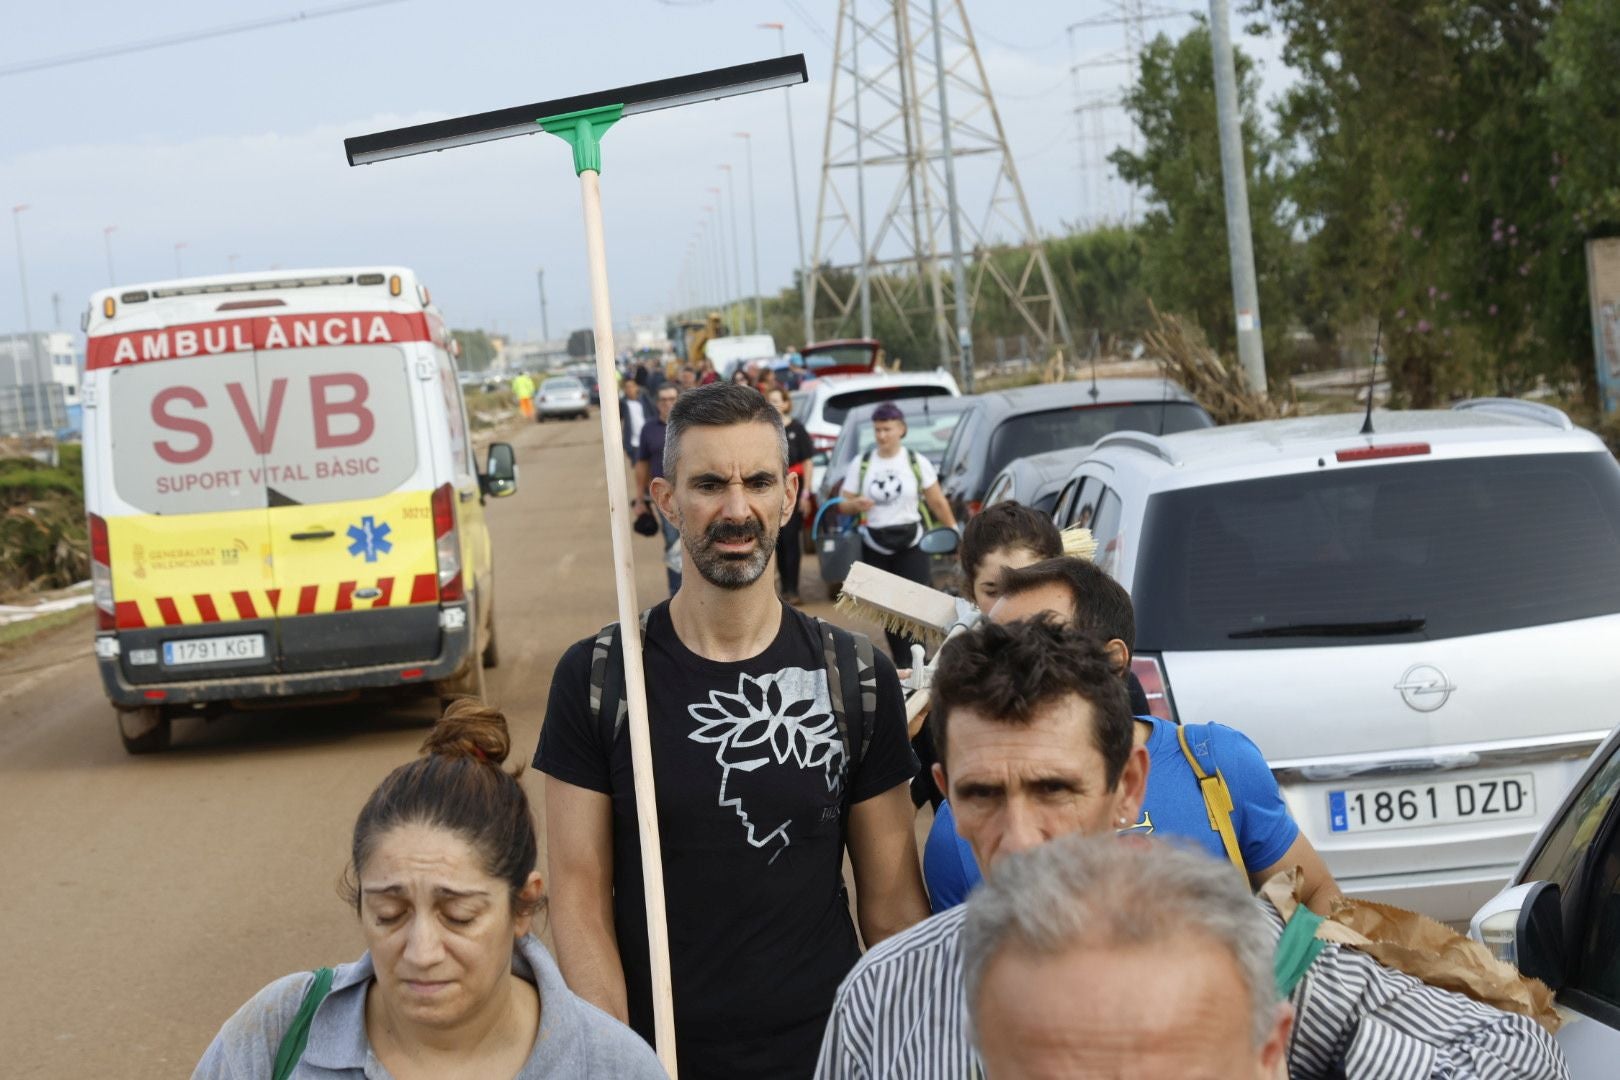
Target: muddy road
(143, 899)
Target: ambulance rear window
(241, 431)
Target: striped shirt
(900, 1014)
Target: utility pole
(177, 271)
(1239, 237)
(860, 174)
(545, 326)
(56, 311)
(753, 233)
(806, 287)
(964, 331)
(736, 241)
(106, 239)
(28, 326)
(720, 256)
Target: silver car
(1559, 919)
(562, 395)
(1418, 627)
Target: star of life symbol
(370, 538)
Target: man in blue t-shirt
(1078, 592)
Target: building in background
(39, 383)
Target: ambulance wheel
(144, 730)
(468, 683)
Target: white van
(282, 496)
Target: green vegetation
(44, 542)
(1435, 169)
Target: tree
(477, 351)
(1183, 235)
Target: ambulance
(283, 500)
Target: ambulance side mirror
(500, 473)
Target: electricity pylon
(882, 233)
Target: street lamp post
(177, 249)
(720, 256)
(28, 326)
(736, 242)
(753, 232)
(106, 240)
(806, 295)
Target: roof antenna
(1372, 377)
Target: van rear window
(243, 430)
(838, 405)
(1422, 550)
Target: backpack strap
(1297, 950)
(291, 1050)
(852, 685)
(1217, 796)
(608, 705)
(922, 503)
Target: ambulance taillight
(447, 542)
(101, 586)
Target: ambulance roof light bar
(778, 71)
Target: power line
(105, 52)
(810, 21)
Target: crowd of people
(1115, 931)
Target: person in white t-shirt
(896, 493)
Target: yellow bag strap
(1217, 801)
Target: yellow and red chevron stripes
(237, 604)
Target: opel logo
(1425, 687)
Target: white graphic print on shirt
(783, 719)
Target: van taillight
(1150, 674)
(447, 544)
(101, 587)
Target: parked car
(1009, 424)
(1556, 920)
(843, 356)
(562, 395)
(1035, 480)
(1416, 626)
(827, 401)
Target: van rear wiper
(1341, 629)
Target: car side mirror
(1524, 926)
(500, 472)
(940, 541)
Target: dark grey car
(1002, 426)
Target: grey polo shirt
(576, 1039)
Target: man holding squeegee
(777, 741)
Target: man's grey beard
(730, 571)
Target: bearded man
(777, 741)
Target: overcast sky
(233, 146)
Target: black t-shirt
(800, 446)
(751, 773)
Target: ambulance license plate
(213, 650)
(1445, 802)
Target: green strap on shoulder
(291, 1050)
(1297, 950)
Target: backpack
(1212, 785)
(851, 684)
(916, 470)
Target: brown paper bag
(1424, 949)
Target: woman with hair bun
(452, 983)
